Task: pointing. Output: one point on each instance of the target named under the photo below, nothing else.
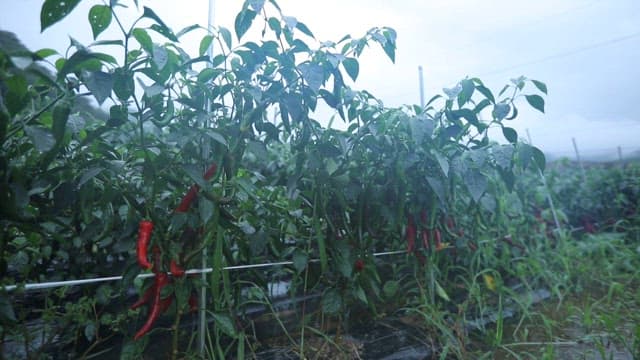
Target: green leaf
(206, 209)
(243, 22)
(80, 60)
(187, 30)
(331, 301)
(539, 158)
(510, 134)
(100, 84)
(290, 22)
(500, 111)
(302, 27)
(90, 331)
(123, 85)
(486, 92)
(421, 128)
(256, 5)
(476, 183)
(390, 288)
(53, 11)
(390, 50)
(161, 27)
(88, 175)
(207, 74)
(536, 101)
(164, 31)
(99, 18)
(440, 291)
(217, 137)
(144, 39)
(352, 67)
(360, 294)
(41, 138)
(313, 75)
(274, 24)
(16, 96)
(45, 53)
(540, 85)
(160, 56)
(205, 43)
(226, 36)
(437, 185)
(468, 87)
(225, 323)
(300, 260)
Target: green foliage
(76, 182)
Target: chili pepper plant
(225, 155)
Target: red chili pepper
(358, 265)
(411, 234)
(176, 270)
(472, 246)
(450, 223)
(438, 239)
(157, 259)
(425, 238)
(191, 195)
(193, 303)
(158, 305)
(144, 237)
(421, 258)
(210, 172)
(145, 298)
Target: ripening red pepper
(210, 172)
(451, 225)
(144, 237)
(176, 270)
(358, 265)
(145, 298)
(425, 238)
(472, 246)
(157, 306)
(191, 195)
(438, 240)
(411, 234)
(193, 302)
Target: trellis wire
(55, 284)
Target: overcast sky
(586, 51)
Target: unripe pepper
(144, 237)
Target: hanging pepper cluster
(153, 295)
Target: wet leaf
(99, 18)
(53, 11)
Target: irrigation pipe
(55, 284)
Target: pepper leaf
(53, 11)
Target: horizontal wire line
(54, 284)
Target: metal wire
(55, 284)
